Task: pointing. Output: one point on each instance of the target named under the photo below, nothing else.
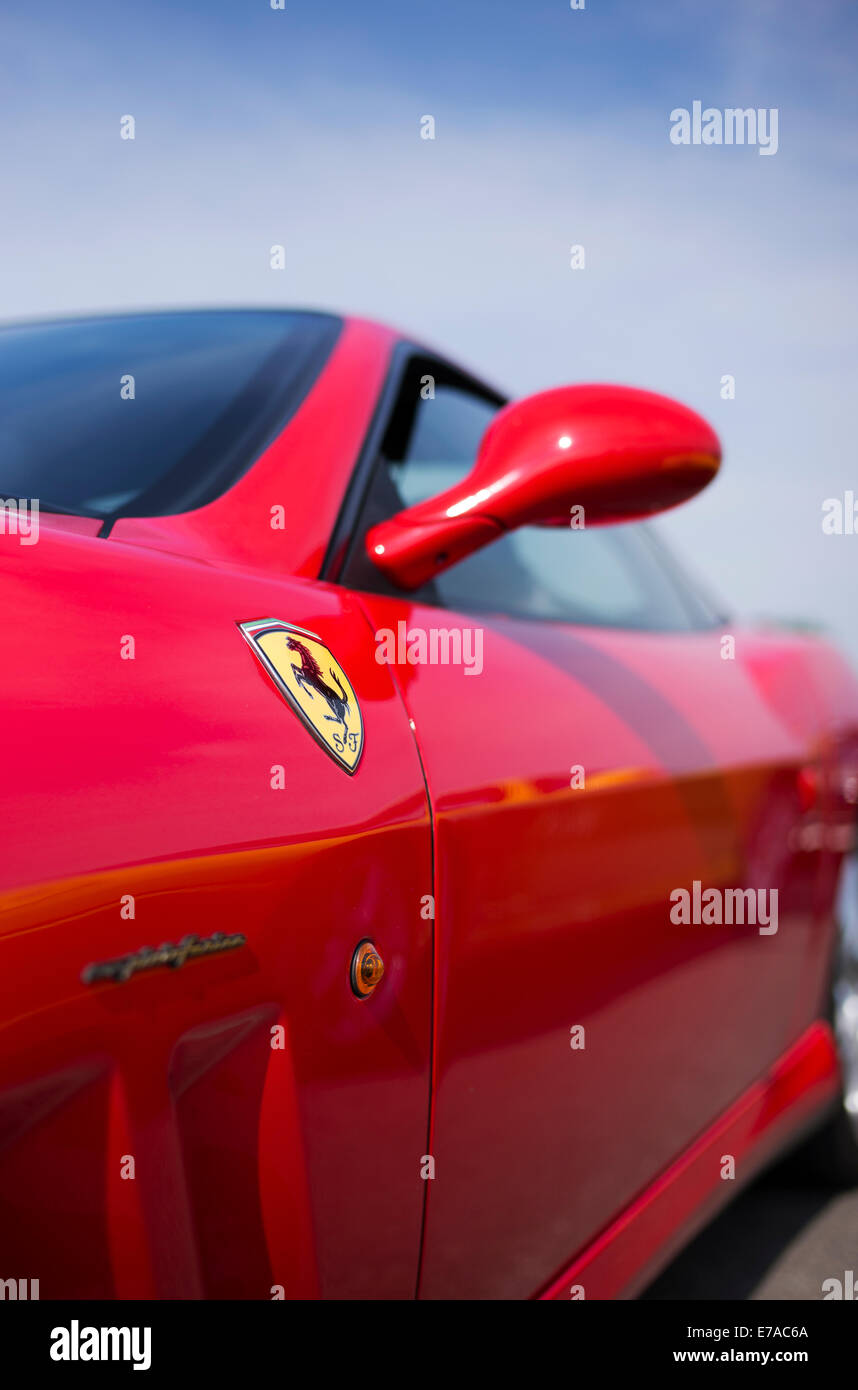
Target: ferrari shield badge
(313, 682)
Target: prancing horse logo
(309, 677)
(313, 683)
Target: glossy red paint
(298, 1165)
(632, 1251)
(553, 911)
(152, 777)
(618, 453)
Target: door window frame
(392, 416)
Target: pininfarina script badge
(171, 953)
(313, 682)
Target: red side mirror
(620, 453)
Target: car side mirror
(619, 453)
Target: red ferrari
(412, 883)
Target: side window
(606, 577)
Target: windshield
(146, 414)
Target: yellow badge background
(343, 738)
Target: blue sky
(301, 127)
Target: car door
(243, 1126)
(588, 750)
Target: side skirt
(775, 1110)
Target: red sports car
(412, 883)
